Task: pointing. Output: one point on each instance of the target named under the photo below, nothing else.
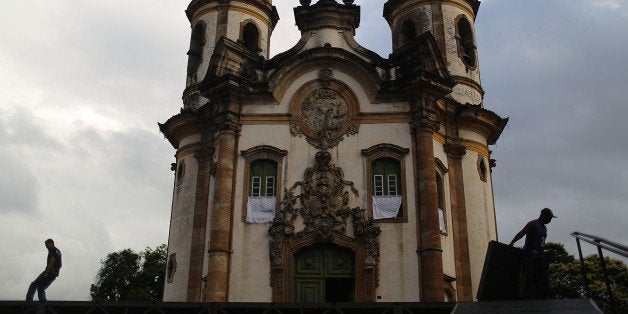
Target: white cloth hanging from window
(386, 206)
(441, 221)
(260, 209)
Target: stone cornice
(180, 126)
(486, 122)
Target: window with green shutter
(386, 177)
(263, 178)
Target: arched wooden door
(324, 274)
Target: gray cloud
(553, 69)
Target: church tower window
(408, 32)
(466, 43)
(250, 37)
(482, 168)
(195, 53)
(180, 172)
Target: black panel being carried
(501, 272)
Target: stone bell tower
(452, 24)
(249, 22)
(200, 235)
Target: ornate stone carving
(325, 75)
(424, 115)
(324, 206)
(326, 113)
(194, 100)
(455, 149)
(249, 73)
(203, 153)
(227, 122)
(323, 111)
(295, 130)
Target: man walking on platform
(53, 264)
(534, 277)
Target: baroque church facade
(328, 173)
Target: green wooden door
(324, 274)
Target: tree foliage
(129, 276)
(566, 277)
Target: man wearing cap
(534, 270)
(41, 283)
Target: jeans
(40, 284)
(534, 279)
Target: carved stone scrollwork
(455, 150)
(194, 100)
(249, 73)
(324, 206)
(295, 130)
(324, 111)
(424, 116)
(203, 154)
(228, 122)
(492, 163)
(325, 75)
(206, 154)
(353, 129)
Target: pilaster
(424, 123)
(455, 152)
(203, 156)
(222, 210)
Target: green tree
(130, 276)
(566, 277)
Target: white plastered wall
(180, 237)
(211, 20)
(480, 213)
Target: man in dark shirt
(534, 276)
(53, 264)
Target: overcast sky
(84, 83)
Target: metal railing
(600, 243)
